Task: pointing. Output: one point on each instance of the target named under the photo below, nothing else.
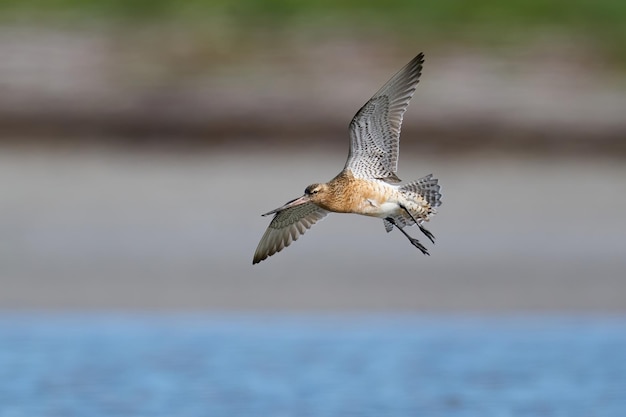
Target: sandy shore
(105, 230)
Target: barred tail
(428, 187)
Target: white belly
(382, 210)
(388, 208)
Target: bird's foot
(413, 241)
(418, 245)
(427, 232)
(422, 228)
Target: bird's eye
(315, 191)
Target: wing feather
(375, 129)
(286, 227)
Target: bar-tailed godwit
(368, 184)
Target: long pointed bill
(293, 203)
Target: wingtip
(419, 59)
(414, 68)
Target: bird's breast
(347, 194)
(372, 198)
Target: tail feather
(428, 187)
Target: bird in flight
(368, 184)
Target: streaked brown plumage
(368, 184)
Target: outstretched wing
(375, 129)
(286, 227)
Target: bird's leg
(427, 232)
(413, 241)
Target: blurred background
(141, 140)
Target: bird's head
(316, 193)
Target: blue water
(276, 365)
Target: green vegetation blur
(601, 23)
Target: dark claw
(419, 246)
(427, 233)
(422, 228)
(413, 241)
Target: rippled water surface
(280, 365)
